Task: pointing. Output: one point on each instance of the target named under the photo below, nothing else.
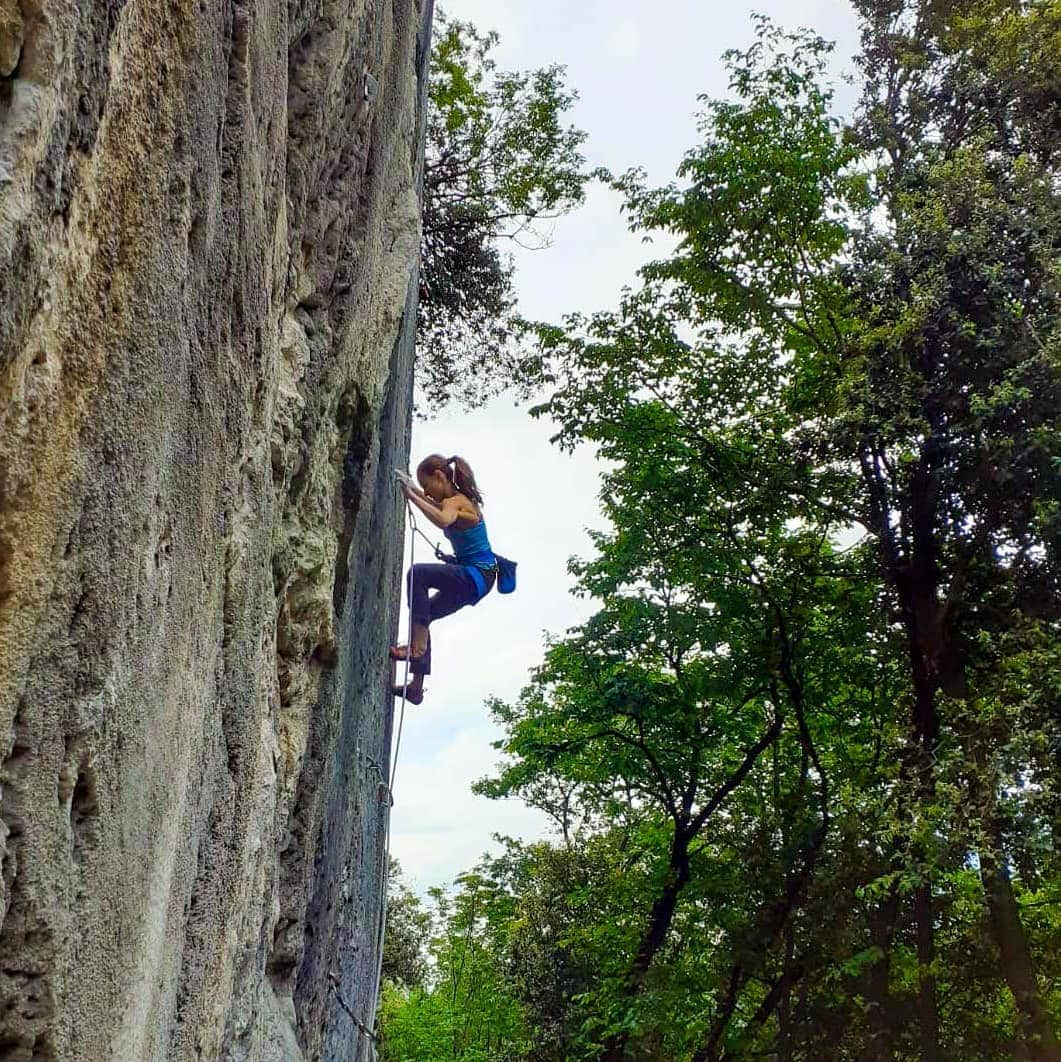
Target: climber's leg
(418, 647)
(458, 591)
(454, 589)
(418, 667)
(421, 665)
(421, 578)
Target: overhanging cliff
(208, 236)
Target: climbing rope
(336, 990)
(416, 530)
(408, 653)
(388, 787)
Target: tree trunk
(1017, 965)
(784, 1010)
(1036, 1030)
(921, 766)
(915, 579)
(878, 990)
(925, 651)
(927, 1007)
(710, 1051)
(662, 914)
(659, 923)
(772, 922)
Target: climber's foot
(413, 694)
(402, 652)
(420, 640)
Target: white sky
(638, 69)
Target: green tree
(950, 396)
(465, 1008)
(925, 356)
(500, 164)
(408, 934)
(856, 336)
(699, 662)
(553, 890)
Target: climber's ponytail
(464, 479)
(458, 472)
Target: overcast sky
(638, 69)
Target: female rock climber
(450, 499)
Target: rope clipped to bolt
(334, 988)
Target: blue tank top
(471, 546)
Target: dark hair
(458, 472)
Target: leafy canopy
(803, 757)
(500, 165)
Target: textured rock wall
(208, 228)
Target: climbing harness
(505, 568)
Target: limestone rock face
(208, 239)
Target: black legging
(455, 589)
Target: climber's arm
(443, 515)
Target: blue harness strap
(479, 580)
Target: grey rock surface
(208, 238)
